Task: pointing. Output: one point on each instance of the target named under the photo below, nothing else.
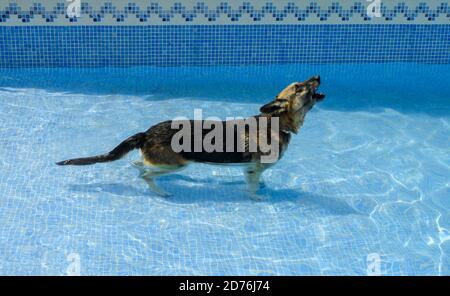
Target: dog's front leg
(252, 176)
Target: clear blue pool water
(369, 173)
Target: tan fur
(291, 106)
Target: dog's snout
(313, 82)
(314, 79)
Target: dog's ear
(275, 107)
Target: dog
(287, 110)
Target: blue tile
(98, 46)
(269, 10)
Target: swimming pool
(367, 174)
(363, 188)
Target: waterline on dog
(253, 135)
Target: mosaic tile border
(187, 12)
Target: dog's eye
(299, 88)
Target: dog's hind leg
(252, 176)
(149, 176)
(139, 164)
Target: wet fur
(290, 106)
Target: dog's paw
(162, 193)
(262, 185)
(255, 197)
(159, 192)
(166, 195)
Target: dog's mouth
(314, 83)
(318, 96)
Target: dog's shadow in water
(201, 193)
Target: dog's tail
(134, 142)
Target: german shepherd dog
(159, 158)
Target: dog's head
(293, 102)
